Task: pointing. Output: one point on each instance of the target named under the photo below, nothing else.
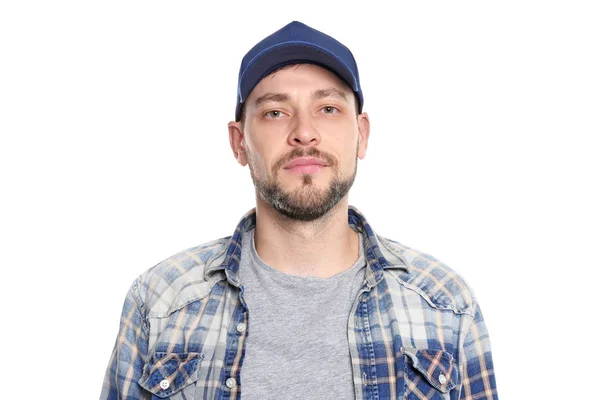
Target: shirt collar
(379, 257)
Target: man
(304, 300)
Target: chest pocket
(171, 375)
(429, 374)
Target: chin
(307, 180)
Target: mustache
(301, 152)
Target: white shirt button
(230, 383)
(241, 327)
(442, 378)
(164, 384)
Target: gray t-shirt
(297, 343)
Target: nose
(304, 132)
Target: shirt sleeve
(476, 366)
(129, 354)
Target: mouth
(305, 165)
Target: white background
(114, 155)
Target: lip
(305, 165)
(305, 161)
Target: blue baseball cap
(296, 43)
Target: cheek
(351, 158)
(347, 145)
(260, 159)
(262, 143)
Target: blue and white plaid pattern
(416, 331)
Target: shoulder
(177, 280)
(436, 282)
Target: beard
(308, 202)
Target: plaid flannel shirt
(415, 332)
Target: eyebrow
(278, 97)
(331, 92)
(317, 94)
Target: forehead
(299, 77)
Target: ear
(364, 129)
(236, 141)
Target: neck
(321, 248)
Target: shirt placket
(236, 347)
(364, 353)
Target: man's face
(301, 138)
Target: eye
(330, 110)
(274, 114)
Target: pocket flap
(177, 369)
(436, 366)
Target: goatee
(306, 203)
